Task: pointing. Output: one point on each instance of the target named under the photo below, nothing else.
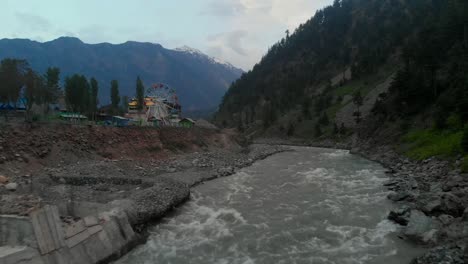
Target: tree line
(20, 84)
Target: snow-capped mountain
(199, 53)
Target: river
(307, 206)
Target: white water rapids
(307, 206)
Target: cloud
(224, 8)
(231, 40)
(33, 22)
(255, 25)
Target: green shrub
(464, 141)
(464, 164)
(454, 122)
(428, 143)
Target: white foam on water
(336, 154)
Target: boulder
(451, 205)
(399, 196)
(11, 186)
(3, 179)
(432, 206)
(446, 219)
(420, 228)
(400, 216)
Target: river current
(307, 206)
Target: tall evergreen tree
(51, 89)
(77, 93)
(115, 97)
(33, 89)
(140, 93)
(93, 101)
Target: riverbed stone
(447, 254)
(399, 196)
(451, 205)
(400, 216)
(12, 186)
(420, 228)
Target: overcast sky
(237, 31)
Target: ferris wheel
(163, 93)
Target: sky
(236, 31)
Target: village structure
(161, 108)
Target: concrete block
(79, 255)
(94, 229)
(96, 249)
(16, 231)
(61, 256)
(41, 230)
(55, 225)
(23, 255)
(91, 220)
(48, 229)
(124, 225)
(111, 228)
(74, 229)
(76, 239)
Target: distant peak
(68, 39)
(189, 50)
(194, 51)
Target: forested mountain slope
(359, 65)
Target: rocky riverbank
(433, 199)
(432, 196)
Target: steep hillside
(358, 64)
(199, 79)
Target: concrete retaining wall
(44, 239)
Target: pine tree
(115, 97)
(51, 89)
(140, 93)
(94, 97)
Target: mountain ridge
(200, 81)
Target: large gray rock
(451, 205)
(420, 228)
(400, 216)
(12, 186)
(399, 196)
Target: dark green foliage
(291, 130)
(115, 97)
(464, 141)
(12, 73)
(435, 64)
(93, 101)
(51, 89)
(124, 104)
(324, 121)
(358, 101)
(140, 93)
(350, 33)
(306, 108)
(317, 130)
(34, 88)
(77, 93)
(336, 130)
